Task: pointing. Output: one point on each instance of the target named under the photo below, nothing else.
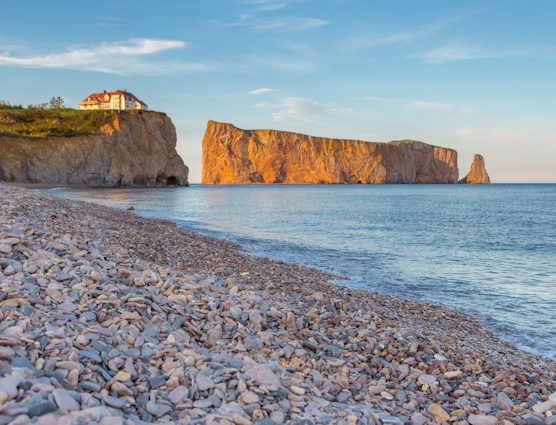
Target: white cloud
(378, 99)
(299, 111)
(282, 62)
(274, 6)
(406, 36)
(113, 58)
(429, 106)
(456, 51)
(261, 91)
(492, 135)
(289, 23)
(266, 105)
(268, 5)
(368, 42)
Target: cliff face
(133, 149)
(478, 173)
(232, 155)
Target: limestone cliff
(231, 155)
(478, 173)
(132, 149)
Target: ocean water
(486, 250)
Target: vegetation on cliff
(42, 121)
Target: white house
(113, 100)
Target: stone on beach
(109, 318)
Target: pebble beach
(109, 318)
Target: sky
(475, 76)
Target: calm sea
(486, 250)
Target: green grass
(40, 123)
(397, 142)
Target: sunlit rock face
(133, 149)
(478, 173)
(235, 156)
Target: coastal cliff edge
(130, 149)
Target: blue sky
(476, 76)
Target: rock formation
(478, 173)
(232, 155)
(133, 149)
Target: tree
(56, 103)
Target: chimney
(125, 90)
(104, 91)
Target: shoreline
(350, 350)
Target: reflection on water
(488, 250)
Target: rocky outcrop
(235, 156)
(132, 149)
(478, 173)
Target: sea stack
(478, 173)
(235, 156)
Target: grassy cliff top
(40, 123)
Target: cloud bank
(124, 57)
(296, 110)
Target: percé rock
(235, 156)
(132, 149)
(478, 173)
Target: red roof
(99, 97)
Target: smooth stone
(250, 343)
(297, 390)
(202, 404)
(439, 414)
(121, 389)
(142, 400)
(122, 376)
(482, 420)
(504, 402)
(263, 375)
(64, 400)
(23, 362)
(236, 364)
(146, 353)
(377, 389)
(204, 383)
(114, 402)
(401, 395)
(418, 419)
(90, 386)
(544, 406)
(277, 417)
(94, 357)
(249, 397)
(426, 379)
(216, 402)
(531, 420)
(158, 409)
(99, 346)
(157, 382)
(342, 397)
(67, 365)
(178, 395)
(63, 276)
(89, 402)
(42, 408)
(67, 306)
(391, 420)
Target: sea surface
(485, 250)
